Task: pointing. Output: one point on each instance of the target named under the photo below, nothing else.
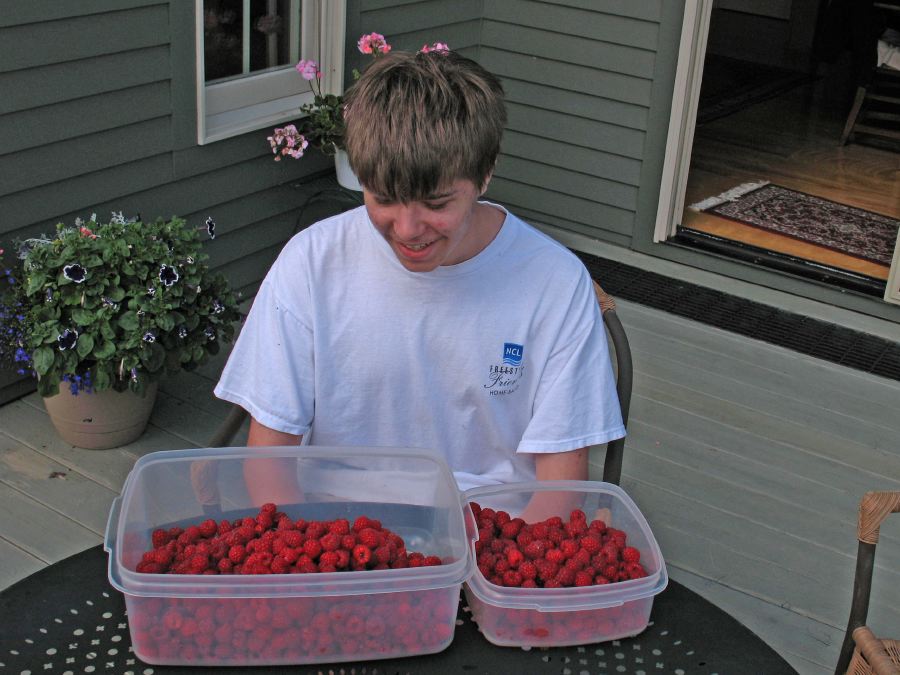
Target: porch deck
(747, 459)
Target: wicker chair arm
(874, 652)
(605, 300)
(873, 509)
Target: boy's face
(447, 228)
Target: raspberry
(341, 526)
(524, 538)
(315, 529)
(370, 537)
(578, 515)
(502, 518)
(512, 578)
(511, 529)
(312, 548)
(631, 554)
(536, 549)
(565, 576)
(584, 578)
(329, 559)
(363, 522)
(432, 561)
(268, 508)
(415, 559)
(569, 547)
(162, 556)
(555, 555)
(514, 557)
(591, 543)
(330, 542)
(382, 555)
(208, 528)
(635, 570)
(292, 538)
(343, 559)
(160, 538)
(279, 566)
(528, 570)
(362, 554)
(611, 572)
(348, 541)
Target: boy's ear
(487, 182)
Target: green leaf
(129, 321)
(43, 360)
(153, 356)
(101, 380)
(82, 317)
(103, 349)
(85, 344)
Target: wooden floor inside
(748, 461)
(793, 140)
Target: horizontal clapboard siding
(578, 78)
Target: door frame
(683, 118)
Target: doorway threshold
(782, 262)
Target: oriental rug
(847, 229)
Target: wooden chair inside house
(862, 653)
(876, 107)
(612, 465)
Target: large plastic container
(239, 620)
(545, 617)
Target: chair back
(612, 464)
(861, 652)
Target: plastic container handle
(112, 524)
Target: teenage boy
(427, 318)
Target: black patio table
(67, 619)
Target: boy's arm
(272, 479)
(571, 465)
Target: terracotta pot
(345, 176)
(103, 420)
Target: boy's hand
(271, 479)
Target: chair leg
(854, 113)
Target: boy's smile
(447, 228)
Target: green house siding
(98, 114)
(579, 83)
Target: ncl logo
(512, 354)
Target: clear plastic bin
(545, 617)
(235, 620)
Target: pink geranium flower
(373, 43)
(435, 47)
(288, 142)
(308, 69)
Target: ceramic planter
(345, 176)
(103, 420)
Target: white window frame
(234, 107)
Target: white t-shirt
(486, 361)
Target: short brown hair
(417, 122)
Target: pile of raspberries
(272, 543)
(552, 553)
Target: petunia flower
(373, 43)
(182, 332)
(211, 227)
(218, 307)
(149, 337)
(75, 273)
(210, 333)
(168, 275)
(67, 339)
(151, 292)
(116, 218)
(308, 69)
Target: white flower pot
(345, 176)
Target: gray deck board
(747, 459)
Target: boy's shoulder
(532, 243)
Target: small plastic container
(546, 617)
(242, 620)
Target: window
(246, 52)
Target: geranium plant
(323, 123)
(113, 305)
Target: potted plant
(98, 313)
(323, 123)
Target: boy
(427, 318)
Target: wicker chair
(612, 465)
(862, 653)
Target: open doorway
(778, 83)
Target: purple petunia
(67, 339)
(168, 275)
(182, 332)
(210, 333)
(218, 307)
(75, 273)
(149, 337)
(211, 227)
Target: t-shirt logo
(512, 354)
